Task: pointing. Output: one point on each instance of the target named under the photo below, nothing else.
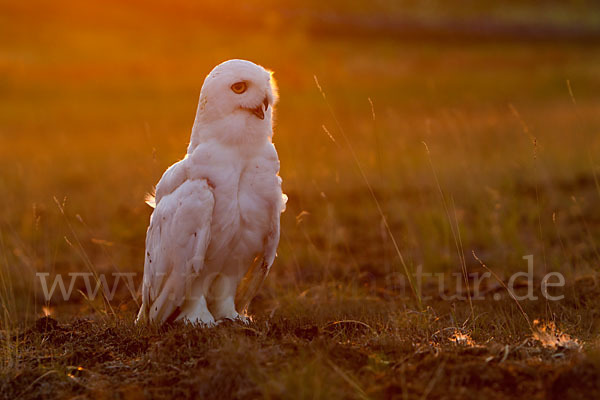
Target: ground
(469, 155)
(308, 349)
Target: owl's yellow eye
(239, 87)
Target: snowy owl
(214, 231)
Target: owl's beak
(258, 111)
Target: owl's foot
(197, 313)
(245, 319)
(224, 309)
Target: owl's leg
(225, 309)
(221, 301)
(195, 307)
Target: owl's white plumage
(214, 232)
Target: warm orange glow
(550, 336)
(461, 338)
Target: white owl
(215, 228)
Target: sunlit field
(413, 166)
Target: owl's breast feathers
(248, 198)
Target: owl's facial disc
(258, 110)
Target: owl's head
(236, 102)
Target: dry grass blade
(348, 321)
(83, 254)
(413, 287)
(352, 382)
(455, 229)
(511, 294)
(39, 378)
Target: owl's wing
(176, 242)
(272, 238)
(258, 271)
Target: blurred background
(97, 98)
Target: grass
(97, 101)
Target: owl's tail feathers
(150, 199)
(250, 284)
